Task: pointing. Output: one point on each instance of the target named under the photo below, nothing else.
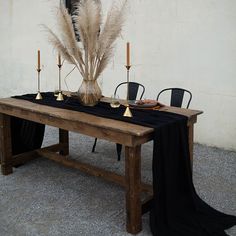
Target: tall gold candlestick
(127, 112)
(38, 96)
(60, 95)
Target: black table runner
(177, 210)
(26, 135)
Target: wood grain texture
(116, 131)
(133, 189)
(5, 144)
(113, 130)
(64, 140)
(22, 158)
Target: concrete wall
(174, 43)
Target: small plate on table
(146, 103)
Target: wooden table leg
(64, 139)
(5, 144)
(190, 141)
(133, 189)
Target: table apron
(116, 136)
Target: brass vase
(89, 93)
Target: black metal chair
(135, 89)
(177, 96)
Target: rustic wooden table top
(86, 123)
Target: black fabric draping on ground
(177, 210)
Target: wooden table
(130, 135)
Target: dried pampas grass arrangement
(92, 54)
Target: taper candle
(59, 59)
(38, 59)
(128, 54)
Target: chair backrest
(177, 95)
(134, 89)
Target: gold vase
(89, 93)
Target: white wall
(174, 43)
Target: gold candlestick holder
(38, 96)
(127, 112)
(60, 95)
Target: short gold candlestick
(127, 112)
(38, 96)
(60, 95)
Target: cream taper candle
(128, 54)
(38, 59)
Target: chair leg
(118, 150)
(94, 145)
